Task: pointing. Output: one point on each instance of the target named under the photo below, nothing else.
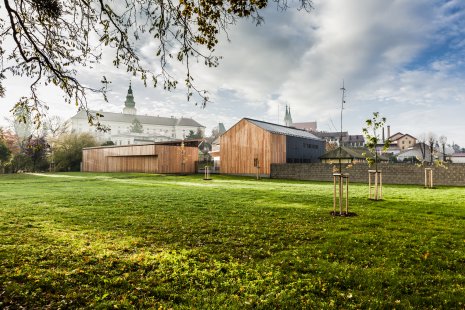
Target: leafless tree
(442, 142)
(432, 139)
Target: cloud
(403, 58)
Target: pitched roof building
(349, 155)
(151, 129)
(251, 146)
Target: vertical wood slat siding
(139, 158)
(246, 141)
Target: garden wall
(392, 173)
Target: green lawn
(151, 241)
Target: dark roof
(143, 119)
(351, 138)
(283, 130)
(349, 153)
(324, 134)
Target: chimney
(383, 136)
(389, 131)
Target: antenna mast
(340, 138)
(342, 107)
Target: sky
(402, 58)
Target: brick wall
(392, 173)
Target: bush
(67, 153)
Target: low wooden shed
(162, 157)
(251, 146)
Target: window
(255, 162)
(310, 146)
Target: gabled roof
(343, 152)
(324, 134)
(353, 138)
(283, 130)
(395, 135)
(143, 119)
(309, 126)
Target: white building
(129, 128)
(458, 158)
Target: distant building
(348, 155)
(417, 153)
(331, 137)
(122, 125)
(308, 126)
(353, 141)
(458, 158)
(402, 141)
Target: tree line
(51, 148)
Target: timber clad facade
(251, 146)
(151, 158)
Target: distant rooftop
(309, 126)
(143, 119)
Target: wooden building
(251, 146)
(165, 157)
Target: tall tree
(53, 39)
(36, 149)
(422, 144)
(136, 126)
(68, 150)
(5, 154)
(443, 141)
(195, 135)
(431, 142)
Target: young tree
(372, 141)
(372, 138)
(49, 41)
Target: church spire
(129, 104)
(288, 117)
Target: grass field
(151, 241)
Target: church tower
(129, 104)
(288, 117)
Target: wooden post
(380, 185)
(341, 180)
(377, 185)
(334, 194)
(369, 184)
(429, 177)
(347, 194)
(338, 194)
(207, 173)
